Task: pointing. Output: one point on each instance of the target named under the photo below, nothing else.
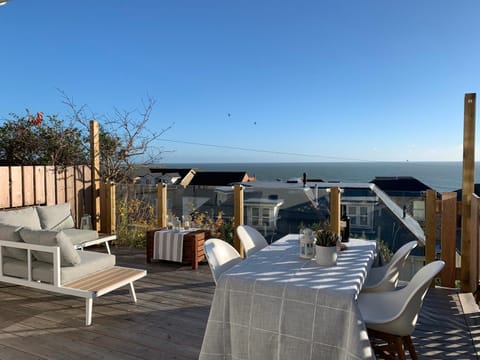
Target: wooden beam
(449, 237)
(162, 205)
(467, 187)
(335, 210)
(95, 163)
(430, 225)
(237, 215)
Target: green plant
(326, 238)
(135, 216)
(219, 227)
(385, 253)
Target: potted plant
(326, 247)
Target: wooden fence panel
(79, 194)
(50, 188)
(28, 186)
(60, 179)
(70, 187)
(16, 186)
(88, 190)
(42, 185)
(448, 238)
(39, 175)
(5, 187)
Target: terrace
(173, 306)
(169, 320)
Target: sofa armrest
(54, 250)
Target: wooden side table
(192, 246)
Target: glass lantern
(307, 244)
(86, 222)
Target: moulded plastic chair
(392, 315)
(385, 278)
(221, 256)
(252, 241)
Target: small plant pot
(326, 255)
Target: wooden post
(430, 225)
(162, 205)
(111, 210)
(474, 263)
(467, 187)
(448, 238)
(237, 215)
(95, 163)
(335, 210)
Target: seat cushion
(56, 217)
(68, 254)
(91, 262)
(22, 217)
(10, 233)
(79, 236)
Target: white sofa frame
(102, 239)
(57, 286)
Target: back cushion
(56, 217)
(10, 233)
(22, 217)
(69, 256)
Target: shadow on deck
(169, 319)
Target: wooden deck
(169, 319)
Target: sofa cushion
(68, 254)
(56, 217)
(10, 233)
(14, 267)
(91, 262)
(79, 236)
(22, 217)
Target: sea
(441, 176)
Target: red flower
(37, 120)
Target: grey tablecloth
(275, 305)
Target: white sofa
(38, 248)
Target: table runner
(275, 305)
(168, 245)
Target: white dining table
(277, 305)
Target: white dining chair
(252, 241)
(221, 256)
(385, 278)
(392, 315)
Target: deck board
(169, 319)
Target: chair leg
(395, 345)
(398, 343)
(88, 311)
(132, 292)
(410, 347)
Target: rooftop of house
(220, 178)
(476, 190)
(399, 184)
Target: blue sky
(335, 80)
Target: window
(419, 210)
(361, 215)
(261, 216)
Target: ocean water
(441, 176)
